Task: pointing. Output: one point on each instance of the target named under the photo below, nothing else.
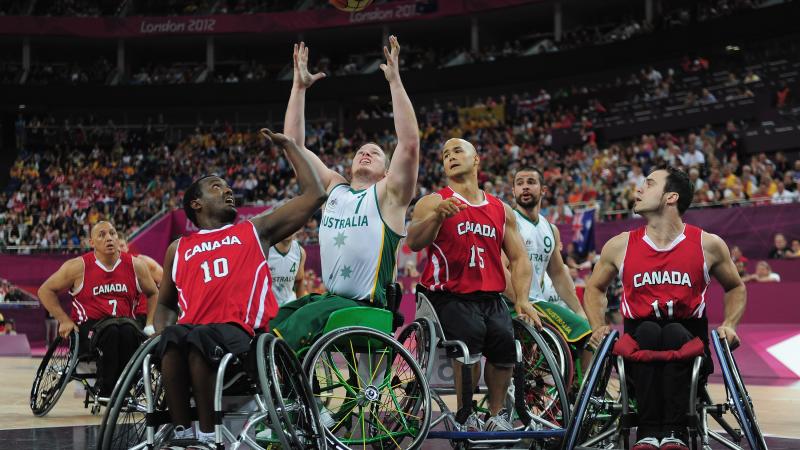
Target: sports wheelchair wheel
(54, 373)
(137, 396)
(417, 338)
(561, 352)
(597, 412)
(286, 387)
(539, 392)
(378, 395)
(741, 404)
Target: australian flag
(583, 231)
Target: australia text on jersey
(211, 245)
(661, 277)
(347, 222)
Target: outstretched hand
(279, 139)
(302, 77)
(392, 67)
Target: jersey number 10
(220, 269)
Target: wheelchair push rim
(54, 373)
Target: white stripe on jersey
(262, 297)
(446, 268)
(253, 290)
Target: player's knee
(648, 335)
(674, 335)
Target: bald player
(105, 284)
(466, 231)
(144, 312)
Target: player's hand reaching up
(392, 67)
(279, 139)
(449, 208)
(302, 77)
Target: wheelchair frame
(621, 412)
(429, 331)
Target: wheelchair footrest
(497, 435)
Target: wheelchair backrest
(425, 309)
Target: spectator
(764, 274)
(739, 260)
(780, 250)
(782, 196)
(795, 249)
(11, 327)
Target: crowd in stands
(67, 177)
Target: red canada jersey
(465, 256)
(665, 283)
(140, 309)
(105, 292)
(222, 276)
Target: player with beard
(665, 268)
(542, 240)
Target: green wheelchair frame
(370, 390)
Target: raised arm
(594, 298)
(521, 270)
(429, 213)
(64, 278)
(299, 281)
(294, 124)
(401, 181)
(167, 308)
(149, 289)
(562, 282)
(277, 224)
(724, 270)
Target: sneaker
(648, 443)
(472, 423)
(327, 418)
(672, 443)
(499, 422)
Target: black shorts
(212, 340)
(141, 319)
(480, 320)
(89, 331)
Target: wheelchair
(601, 421)
(537, 398)
(369, 388)
(273, 394)
(63, 362)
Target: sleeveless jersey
(284, 269)
(465, 256)
(665, 283)
(540, 243)
(105, 292)
(140, 309)
(222, 276)
(357, 248)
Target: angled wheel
(540, 396)
(737, 393)
(595, 422)
(561, 352)
(417, 338)
(291, 395)
(54, 373)
(138, 398)
(377, 394)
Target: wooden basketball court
(776, 408)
